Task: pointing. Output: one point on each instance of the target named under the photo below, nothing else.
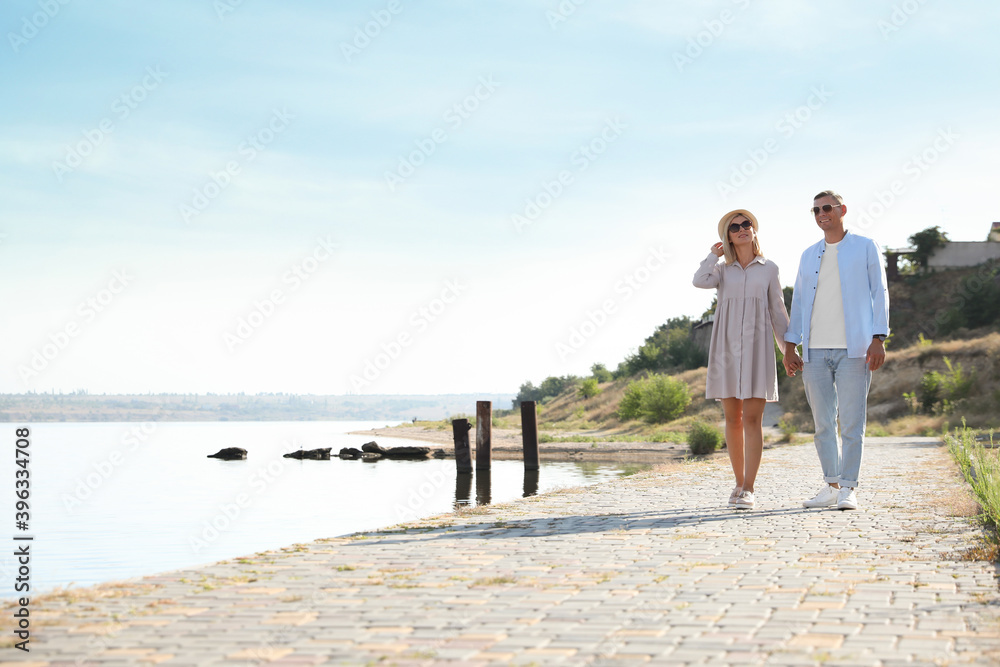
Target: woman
(741, 362)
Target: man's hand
(791, 361)
(876, 355)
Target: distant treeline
(81, 406)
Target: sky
(443, 196)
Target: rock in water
(322, 454)
(229, 454)
(373, 448)
(407, 452)
(350, 453)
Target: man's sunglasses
(735, 227)
(826, 208)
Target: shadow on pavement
(578, 524)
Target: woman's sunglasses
(735, 227)
(826, 208)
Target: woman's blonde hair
(727, 248)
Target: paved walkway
(651, 568)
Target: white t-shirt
(827, 329)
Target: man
(840, 315)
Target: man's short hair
(829, 193)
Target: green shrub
(655, 399)
(588, 388)
(787, 429)
(938, 392)
(630, 407)
(704, 438)
(930, 391)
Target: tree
(600, 373)
(925, 243)
(551, 386)
(786, 293)
(671, 347)
(527, 392)
(711, 309)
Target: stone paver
(649, 569)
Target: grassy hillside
(889, 411)
(939, 318)
(955, 303)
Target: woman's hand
(791, 360)
(717, 249)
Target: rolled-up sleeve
(794, 332)
(878, 285)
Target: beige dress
(750, 308)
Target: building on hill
(957, 254)
(953, 255)
(701, 333)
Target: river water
(112, 501)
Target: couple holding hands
(840, 317)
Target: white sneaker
(847, 499)
(745, 501)
(734, 495)
(827, 497)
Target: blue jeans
(837, 390)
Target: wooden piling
(463, 457)
(529, 435)
(484, 434)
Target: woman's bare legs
(753, 439)
(733, 407)
(744, 438)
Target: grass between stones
(980, 465)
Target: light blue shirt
(863, 292)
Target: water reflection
(463, 489)
(530, 483)
(483, 487)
